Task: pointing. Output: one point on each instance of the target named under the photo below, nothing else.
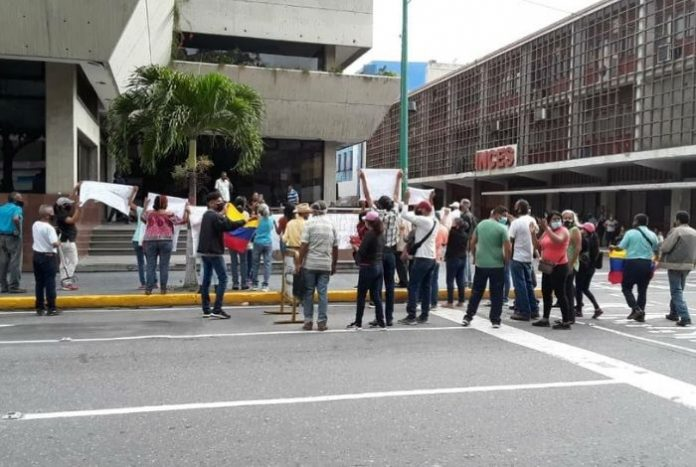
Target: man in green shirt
(490, 248)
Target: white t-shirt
(44, 236)
(519, 230)
(223, 186)
(423, 225)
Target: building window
(344, 166)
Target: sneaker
(40, 312)
(254, 288)
(542, 323)
(375, 324)
(682, 323)
(640, 317)
(466, 321)
(235, 287)
(672, 317)
(434, 307)
(220, 314)
(53, 312)
(578, 312)
(632, 315)
(371, 304)
(264, 289)
(597, 313)
(407, 321)
(67, 288)
(245, 287)
(321, 326)
(206, 314)
(496, 325)
(355, 326)
(307, 326)
(519, 317)
(422, 320)
(564, 326)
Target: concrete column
(329, 57)
(330, 171)
(61, 138)
(681, 201)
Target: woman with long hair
(369, 258)
(158, 241)
(553, 247)
(588, 260)
(263, 248)
(571, 222)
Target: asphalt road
(165, 387)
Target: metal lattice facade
(614, 80)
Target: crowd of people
(397, 244)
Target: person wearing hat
(317, 262)
(369, 258)
(589, 255)
(425, 228)
(455, 212)
(67, 214)
(292, 237)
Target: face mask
(19, 203)
(555, 225)
(219, 207)
(568, 224)
(502, 220)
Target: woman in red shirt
(553, 246)
(158, 241)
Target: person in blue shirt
(641, 246)
(11, 215)
(293, 197)
(263, 248)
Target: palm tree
(165, 111)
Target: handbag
(412, 246)
(546, 267)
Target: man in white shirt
(526, 306)
(423, 265)
(224, 186)
(45, 244)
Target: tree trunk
(191, 278)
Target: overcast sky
(459, 31)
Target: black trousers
(401, 269)
(583, 279)
(45, 269)
(570, 287)
(555, 283)
(637, 272)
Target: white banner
(380, 182)
(416, 195)
(195, 218)
(111, 194)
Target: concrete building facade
(595, 113)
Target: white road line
(233, 334)
(6, 325)
(645, 339)
(310, 400)
(654, 383)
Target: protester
(454, 210)
(293, 232)
(11, 215)
(211, 249)
(470, 222)
(224, 187)
(455, 261)
(293, 197)
(678, 256)
(401, 269)
(507, 279)
(491, 249)
(389, 218)
(440, 244)
(44, 246)
(238, 261)
(553, 247)
(641, 246)
(369, 258)
(611, 227)
(67, 214)
(589, 256)
(570, 222)
(158, 241)
(138, 235)
(521, 231)
(282, 224)
(425, 228)
(262, 249)
(317, 261)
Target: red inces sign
(496, 158)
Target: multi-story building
(593, 113)
(419, 73)
(62, 62)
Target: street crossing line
(233, 334)
(641, 378)
(309, 400)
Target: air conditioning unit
(664, 53)
(540, 114)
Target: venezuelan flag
(616, 266)
(238, 240)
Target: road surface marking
(654, 383)
(234, 334)
(310, 399)
(6, 325)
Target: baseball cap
(371, 216)
(62, 201)
(425, 206)
(589, 227)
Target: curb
(188, 299)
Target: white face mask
(556, 225)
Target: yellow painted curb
(66, 302)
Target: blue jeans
(389, 269)
(261, 252)
(434, 286)
(318, 280)
(482, 276)
(677, 282)
(140, 255)
(370, 279)
(522, 278)
(419, 285)
(455, 273)
(216, 263)
(238, 266)
(154, 249)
